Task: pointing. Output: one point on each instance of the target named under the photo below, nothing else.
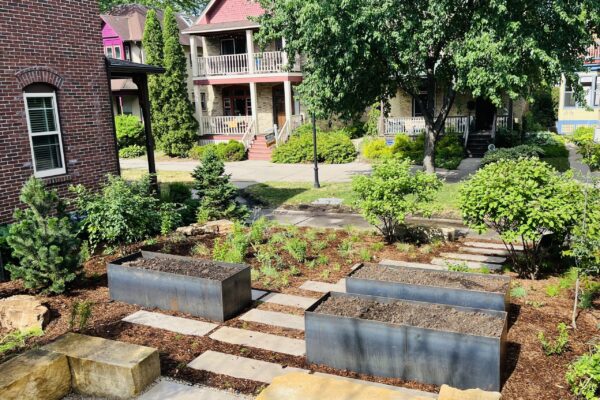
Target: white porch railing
(413, 126)
(268, 62)
(225, 125)
(290, 126)
(502, 121)
(248, 135)
(593, 53)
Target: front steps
(478, 144)
(259, 150)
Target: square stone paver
(474, 257)
(169, 323)
(170, 390)
(443, 262)
(483, 251)
(274, 318)
(289, 300)
(240, 367)
(257, 294)
(407, 264)
(324, 287)
(259, 340)
(487, 245)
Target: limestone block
(21, 312)
(36, 374)
(299, 386)
(107, 368)
(449, 393)
(221, 226)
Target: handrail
(248, 135)
(283, 133)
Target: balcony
(270, 62)
(593, 54)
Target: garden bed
(443, 287)
(425, 342)
(214, 290)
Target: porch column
(254, 106)
(250, 50)
(194, 54)
(287, 89)
(198, 106)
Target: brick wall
(57, 42)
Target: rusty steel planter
(400, 351)
(499, 301)
(213, 299)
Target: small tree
(153, 52)
(216, 194)
(522, 200)
(392, 192)
(180, 126)
(130, 131)
(43, 241)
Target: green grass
(163, 176)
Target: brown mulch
(529, 373)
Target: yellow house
(571, 114)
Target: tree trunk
(429, 159)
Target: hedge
(332, 148)
(226, 151)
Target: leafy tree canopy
(192, 7)
(358, 52)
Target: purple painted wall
(111, 39)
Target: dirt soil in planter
(199, 269)
(415, 276)
(432, 316)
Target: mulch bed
(198, 269)
(529, 373)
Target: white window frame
(115, 49)
(48, 172)
(108, 50)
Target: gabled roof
(128, 22)
(227, 15)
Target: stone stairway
(478, 144)
(259, 150)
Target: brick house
(122, 34)
(55, 114)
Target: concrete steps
(259, 150)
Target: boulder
(107, 368)
(191, 230)
(22, 312)
(221, 226)
(36, 374)
(449, 393)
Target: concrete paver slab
(470, 264)
(289, 300)
(170, 390)
(408, 264)
(169, 323)
(274, 318)
(240, 367)
(482, 251)
(474, 257)
(324, 287)
(487, 245)
(259, 340)
(257, 294)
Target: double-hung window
(44, 134)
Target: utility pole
(317, 185)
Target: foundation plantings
(425, 342)
(208, 289)
(444, 287)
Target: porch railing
(268, 62)
(248, 135)
(225, 125)
(290, 126)
(593, 53)
(413, 126)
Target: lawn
(276, 194)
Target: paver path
(289, 300)
(169, 323)
(443, 262)
(257, 294)
(397, 263)
(487, 245)
(274, 318)
(474, 257)
(259, 340)
(239, 367)
(324, 287)
(483, 251)
(170, 390)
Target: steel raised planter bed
(407, 352)
(217, 300)
(469, 295)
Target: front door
(236, 101)
(484, 114)
(279, 117)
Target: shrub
(591, 154)
(332, 148)
(449, 152)
(507, 138)
(355, 130)
(18, 339)
(81, 312)
(217, 197)
(392, 192)
(130, 131)
(132, 151)
(373, 118)
(43, 241)
(411, 148)
(233, 249)
(513, 153)
(176, 192)
(296, 249)
(227, 151)
(583, 377)
(583, 134)
(121, 213)
(522, 200)
(559, 345)
(376, 149)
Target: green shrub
(560, 344)
(411, 148)
(81, 312)
(5, 250)
(507, 138)
(296, 248)
(583, 134)
(392, 192)
(583, 376)
(217, 197)
(132, 151)
(449, 152)
(176, 192)
(130, 131)
(513, 153)
(197, 151)
(373, 120)
(43, 241)
(332, 148)
(234, 248)
(522, 200)
(18, 339)
(226, 151)
(170, 218)
(120, 213)
(376, 149)
(355, 130)
(591, 154)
